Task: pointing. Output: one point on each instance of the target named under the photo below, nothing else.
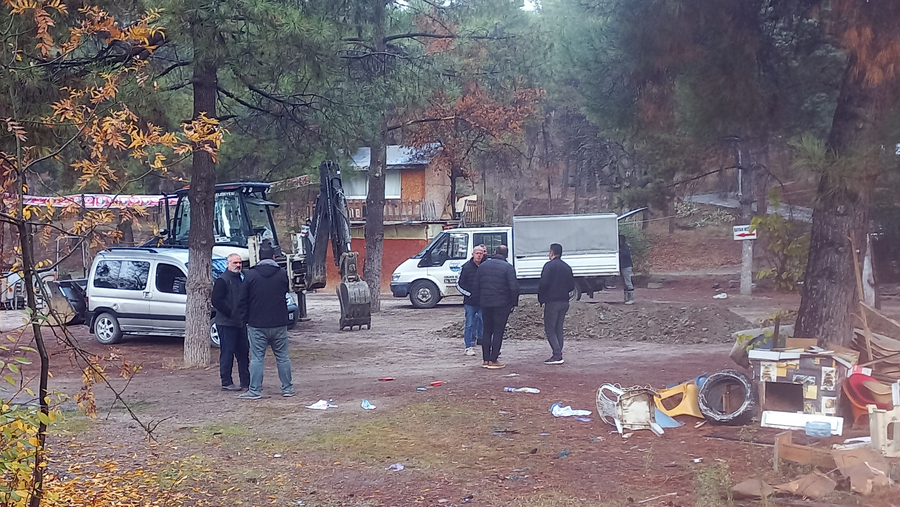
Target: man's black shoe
(232, 387)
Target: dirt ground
(464, 442)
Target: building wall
(412, 185)
(437, 190)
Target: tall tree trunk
(375, 198)
(829, 294)
(375, 217)
(201, 197)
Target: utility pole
(745, 198)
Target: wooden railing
(396, 210)
(474, 214)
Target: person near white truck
(591, 243)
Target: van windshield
(435, 240)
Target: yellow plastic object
(686, 406)
(879, 423)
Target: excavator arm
(330, 221)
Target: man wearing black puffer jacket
(233, 344)
(265, 312)
(553, 292)
(497, 290)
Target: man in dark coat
(465, 285)
(265, 312)
(233, 344)
(625, 267)
(553, 293)
(497, 290)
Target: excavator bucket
(356, 305)
(356, 302)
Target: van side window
(170, 279)
(490, 239)
(125, 275)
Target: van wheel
(424, 294)
(214, 334)
(575, 294)
(106, 329)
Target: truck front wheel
(424, 294)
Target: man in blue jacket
(553, 293)
(498, 292)
(233, 344)
(265, 312)
(465, 285)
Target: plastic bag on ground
(560, 411)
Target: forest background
(560, 106)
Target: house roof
(397, 156)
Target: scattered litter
(752, 488)
(421, 389)
(583, 419)
(627, 435)
(562, 454)
(853, 443)
(657, 497)
(510, 375)
(595, 439)
(385, 379)
(276, 455)
(366, 405)
(721, 295)
(532, 390)
(814, 485)
(697, 460)
(665, 421)
(544, 434)
(560, 411)
(436, 383)
(503, 412)
(701, 423)
(321, 405)
(631, 408)
(516, 477)
(396, 467)
(521, 469)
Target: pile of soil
(657, 322)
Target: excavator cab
(241, 212)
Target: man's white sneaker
(470, 351)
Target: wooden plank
(785, 449)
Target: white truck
(590, 245)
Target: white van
(144, 291)
(590, 246)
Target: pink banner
(97, 201)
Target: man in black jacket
(265, 312)
(233, 344)
(465, 285)
(553, 292)
(626, 268)
(497, 290)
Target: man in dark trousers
(625, 267)
(553, 293)
(265, 312)
(497, 290)
(465, 285)
(233, 344)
